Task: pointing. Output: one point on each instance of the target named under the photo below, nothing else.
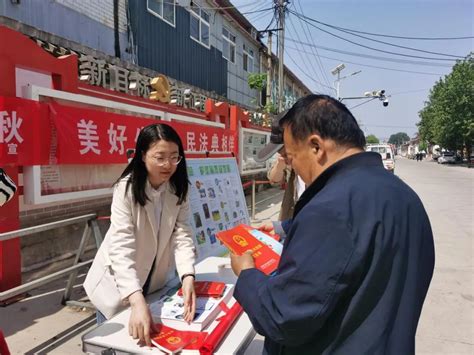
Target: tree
(448, 116)
(371, 139)
(399, 138)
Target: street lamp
(337, 71)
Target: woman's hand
(140, 325)
(189, 297)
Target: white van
(385, 150)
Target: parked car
(386, 152)
(447, 158)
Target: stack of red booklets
(171, 340)
(213, 289)
(239, 240)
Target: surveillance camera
(385, 102)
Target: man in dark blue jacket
(359, 256)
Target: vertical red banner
(10, 255)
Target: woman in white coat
(149, 233)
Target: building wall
(88, 22)
(237, 87)
(170, 49)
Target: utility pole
(281, 48)
(269, 69)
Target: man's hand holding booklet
(265, 249)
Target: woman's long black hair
(137, 169)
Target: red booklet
(207, 289)
(239, 240)
(171, 340)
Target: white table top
(113, 334)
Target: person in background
(149, 233)
(280, 171)
(7, 187)
(359, 256)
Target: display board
(217, 202)
(251, 141)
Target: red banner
(25, 132)
(95, 137)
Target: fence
(90, 227)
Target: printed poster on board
(217, 202)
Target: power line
(399, 37)
(368, 47)
(376, 67)
(313, 69)
(214, 7)
(383, 42)
(257, 11)
(396, 60)
(305, 26)
(309, 76)
(350, 108)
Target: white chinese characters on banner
(116, 136)
(203, 143)
(215, 143)
(191, 141)
(88, 137)
(9, 130)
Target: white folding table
(112, 336)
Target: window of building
(228, 45)
(164, 9)
(248, 59)
(199, 25)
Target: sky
(313, 51)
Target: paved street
(446, 325)
(40, 324)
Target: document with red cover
(171, 340)
(239, 240)
(207, 289)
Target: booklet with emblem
(239, 239)
(172, 341)
(169, 309)
(207, 289)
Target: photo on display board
(200, 238)
(198, 184)
(211, 235)
(197, 220)
(211, 192)
(219, 185)
(205, 208)
(216, 216)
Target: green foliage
(372, 139)
(271, 108)
(257, 81)
(399, 138)
(423, 146)
(448, 116)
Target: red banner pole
(10, 253)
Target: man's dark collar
(356, 160)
